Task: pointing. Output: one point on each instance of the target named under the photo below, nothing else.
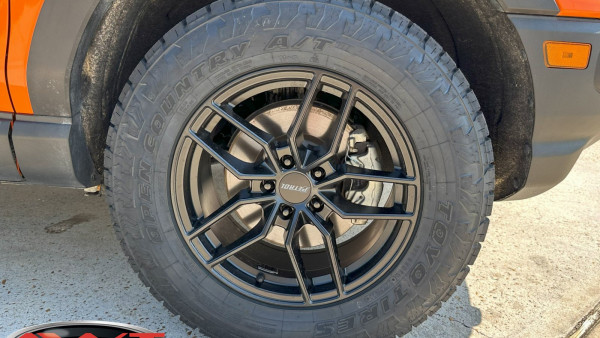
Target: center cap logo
(292, 187)
(295, 188)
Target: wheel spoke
(307, 103)
(292, 245)
(240, 169)
(264, 139)
(346, 171)
(342, 120)
(348, 210)
(244, 197)
(255, 234)
(328, 234)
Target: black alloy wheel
(298, 187)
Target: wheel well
(486, 46)
(476, 33)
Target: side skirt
(51, 152)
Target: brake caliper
(363, 154)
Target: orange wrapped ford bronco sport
(299, 168)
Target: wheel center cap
(295, 188)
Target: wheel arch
(476, 33)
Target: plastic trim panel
(567, 115)
(45, 149)
(540, 7)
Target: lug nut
(267, 186)
(318, 173)
(287, 161)
(316, 204)
(286, 211)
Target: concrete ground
(538, 274)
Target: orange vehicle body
(22, 16)
(579, 8)
(5, 104)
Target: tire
(363, 41)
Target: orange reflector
(569, 55)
